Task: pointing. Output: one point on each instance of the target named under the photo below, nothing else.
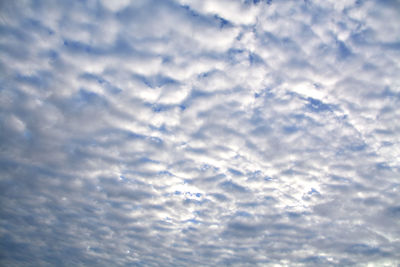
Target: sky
(200, 133)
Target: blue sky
(200, 133)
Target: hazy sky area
(199, 133)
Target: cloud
(175, 133)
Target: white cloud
(116, 5)
(233, 11)
(199, 133)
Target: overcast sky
(199, 133)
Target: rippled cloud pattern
(200, 133)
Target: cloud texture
(199, 133)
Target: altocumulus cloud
(199, 132)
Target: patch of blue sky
(235, 172)
(156, 80)
(316, 105)
(157, 107)
(343, 51)
(89, 97)
(41, 79)
(36, 26)
(230, 186)
(80, 47)
(163, 128)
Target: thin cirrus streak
(206, 133)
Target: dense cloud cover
(199, 133)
